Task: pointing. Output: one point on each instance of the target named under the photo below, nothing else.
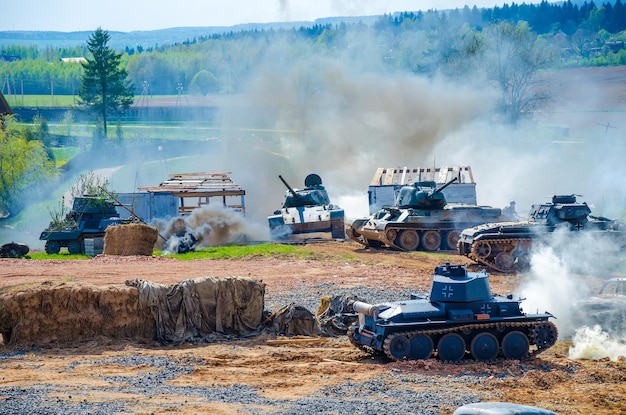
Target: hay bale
(131, 239)
(57, 312)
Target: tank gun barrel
(365, 308)
(293, 192)
(446, 185)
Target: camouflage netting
(66, 312)
(131, 239)
(193, 309)
(63, 312)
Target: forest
(429, 43)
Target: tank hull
(423, 230)
(307, 220)
(506, 246)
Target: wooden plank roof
(387, 176)
(201, 184)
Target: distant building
(74, 60)
(387, 182)
(183, 193)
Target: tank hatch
(453, 284)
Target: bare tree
(514, 58)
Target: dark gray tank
(460, 320)
(506, 246)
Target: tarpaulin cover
(193, 309)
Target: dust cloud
(208, 225)
(565, 271)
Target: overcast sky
(129, 15)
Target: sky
(126, 16)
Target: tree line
(422, 42)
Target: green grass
(60, 255)
(64, 154)
(243, 251)
(41, 100)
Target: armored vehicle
(461, 319)
(307, 211)
(13, 250)
(421, 220)
(89, 218)
(505, 246)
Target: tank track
(495, 247)
(538, 339)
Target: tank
(421, 219)
(506, 246)
(307, 211)
(89, 218)
(460, 320)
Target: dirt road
(262, 376)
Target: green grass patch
(244, 251)
(42, 100)
(60, 255)
(64, 154)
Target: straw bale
(130, 239)
(56, 312)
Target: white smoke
(594, 343)
(565, 267)
(209, 225)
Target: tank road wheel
(515, 345)
(397, 346)
(431, 241)
(391, 235)
(53, 247)
(523, 261)
(452, 239)
(483, 250)
(451, 348)
(505, 261)
(408, 240)
(544, 335)
(75, 248)
(484, 347)
(421, 347)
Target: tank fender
(365, 308)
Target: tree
(515, 57)
(104, 86)
(204, 82)
(23, 163)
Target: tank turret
(306, 211)
(506, 246)
(313, 194)
(461, 319)
(422, 195)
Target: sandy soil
(299, 367)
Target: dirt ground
(299, 367)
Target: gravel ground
(392, 392)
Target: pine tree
(104, 86)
